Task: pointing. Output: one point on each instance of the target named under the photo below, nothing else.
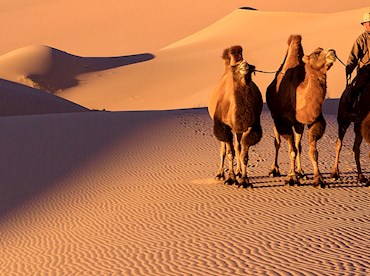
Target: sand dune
(53, 70)
(133, 192)
(162, 81)
(17, 99)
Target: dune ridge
(121, 85)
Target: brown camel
(344, 120)
(295, 99)
(235, 108)
(365, 132)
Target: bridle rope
(265, 72)
(340, 60)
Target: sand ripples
(155, 210)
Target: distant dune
(183, 74)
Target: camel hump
(234, 52)
(294, 38)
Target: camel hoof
(302, 175)
(220, 176)
(367, 184)
(361, 178)
(319, 182)
(292, 181)
(334, 175)
(229, 181)
(245, 184)
(274, 172)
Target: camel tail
(222, 131)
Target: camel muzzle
(241, 66)
(331, 55)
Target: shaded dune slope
(18, 99)
(54, 70)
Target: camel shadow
(348, 180)
(66, 67)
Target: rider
(359, 57)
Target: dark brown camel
(344, 120)
(236, 107)
(295, 99)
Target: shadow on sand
(38, 152)
(66, 67)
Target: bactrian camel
(344, 120)
(295, 99)
(235, 108)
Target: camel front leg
(356, 150)
(315, 132)
(275, 166)
(299, 128)
(230, 156)
(237, 147)
(244, 158)
(342, 128)
(314, 156)
(292, 151)
(221, 172)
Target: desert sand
(108, 156)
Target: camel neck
(313, 77)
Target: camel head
(320, 59)
(232, 55)
(242, 71)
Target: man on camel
(359, 57)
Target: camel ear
(305, 59)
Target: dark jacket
(360, 53)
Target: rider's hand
(348, 74)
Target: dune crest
(53, 70)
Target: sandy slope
(16, 99)
(132, 193)
(89, 28)
(183, 74)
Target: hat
(366, 18)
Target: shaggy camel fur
(344, 121)
(236, 107)
(295, 99)
(365, 132)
